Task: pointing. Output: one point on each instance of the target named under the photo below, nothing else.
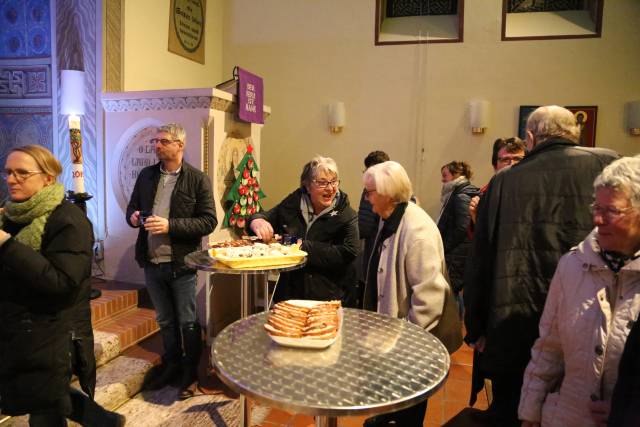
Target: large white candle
(75, 139)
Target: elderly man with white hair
(592, 304)
(536, 211)
(406, 276)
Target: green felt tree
(243, 199)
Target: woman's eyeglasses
(368, 192)
(20, 175)
(324, 184)
(609, 213)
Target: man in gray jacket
(172, 205)
(530, 216)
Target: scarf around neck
(33, 213)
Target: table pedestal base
(322, 421)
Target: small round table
(201, 260)
(378, 364)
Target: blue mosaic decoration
(25, 29)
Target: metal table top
(201, 260)
(378, 364)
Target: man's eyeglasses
(163, 141)
(609, 213)
(20, 175)
(324, 184)
(510, 159)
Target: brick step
(112, 303)
(115, 335)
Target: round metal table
(378, 364)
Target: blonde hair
(44, 158)
(391, 180)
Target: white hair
(552, 121)
(622, 175)
(316, 165)
(391, 180)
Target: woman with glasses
(319, 214)
(45, 268)
(406, 273)
(593, 301)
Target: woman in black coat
(320, 215)
(454, 219)
(45, 268)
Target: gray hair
(176, 131)
(622, 175)
(391, 180)
(553, 121)
(316, 165)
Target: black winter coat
(44, 299)
(453, 225)
(192, 213)
(530, 216)
(625, 403)
(332, 244)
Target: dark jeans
(84, 411)
(506, 397)
(174, 299)
(412, 416)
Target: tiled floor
(443, 406)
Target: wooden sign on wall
(186, 28)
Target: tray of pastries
(305, 323)
(250, 253)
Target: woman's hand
(473, 208)
(530, 424)
(262, 229)
(600, 412)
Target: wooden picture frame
(523, 115)
(587, 118)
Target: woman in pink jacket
(593, 301)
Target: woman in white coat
(406, 274)
(593, 301)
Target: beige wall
(404, 98)
(149, 65)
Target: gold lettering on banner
(186, 28)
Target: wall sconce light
(633, 117)
(72, 104)
(479, 116)
(337, 117)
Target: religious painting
(586, 116)
(525, 110)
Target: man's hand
(262, 229)
(157, 225)
(4, 236)
(473, 208)
(135, 219)
(600, 412)
(530, 424)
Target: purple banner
(250, 97)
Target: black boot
(160, 376)
(192, 341)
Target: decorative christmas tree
(243, 199)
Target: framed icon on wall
(586, 116)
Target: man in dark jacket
(531, 215)
(172, 204)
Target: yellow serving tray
(294, 257)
